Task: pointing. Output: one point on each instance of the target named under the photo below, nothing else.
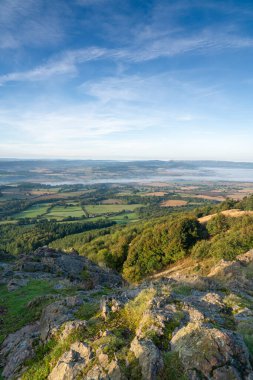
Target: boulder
(16, 283)
(72, 362)
(114, 372)
(111, 371)
(71, 326)
(16, 349)
(33, 266)
(57, 313)
(149, 357)
(96, 373)
(206, 351)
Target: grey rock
(149, 358)
(71, 326)
(17, 283)
(55, 314)
(111, 371)
(203, 350)
(16, 349)
(72, 362)
(96, 373)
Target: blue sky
(126, 79)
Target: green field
(61, 212)
(125, 218)
(48, 211)
(107, 209)
(33, 211)
(73, 209)
(119, 219)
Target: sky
(126, 79)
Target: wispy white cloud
(65, 64)
(71, 124)
(168, 46)
(152, 91)
(117, 88)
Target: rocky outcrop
(65, 271)
(236, 274)
(72, 365)
(180, 327)
(208, 352)
(149, 358)
(49, 264)
(72, 362)
(16, 349)
(55, 314)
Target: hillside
(165, 298)
(142, 249)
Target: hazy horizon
(126, 80)
(121, 160)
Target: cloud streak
(30, 23)
(67, 62)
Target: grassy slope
(14, 306)
(104, 209)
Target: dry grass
(234, 213)
(185, 266)
(155, 194)
(189, 187)
(174, 203)
(237, 196)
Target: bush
(201, 249)
(161, 245)
(217, 225)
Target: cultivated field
(204, 196)
(155, 194)
(61, 212)
(174, 203)
(112, 202)
(33, 211)
(107, 209)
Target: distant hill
(93, 171)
